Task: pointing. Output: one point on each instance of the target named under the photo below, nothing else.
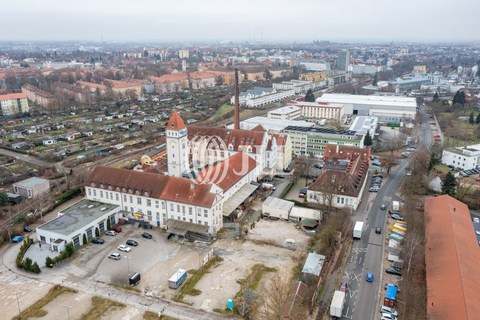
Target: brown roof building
(40, 97)
(344, 175)
(452, 260)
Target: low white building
(286, 113)
(314, 111)
(300, 86)
(267, 99)
(82, 218)
(277, 208)
(364, 68)
(362, 124)
(467, 157)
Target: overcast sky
(182, 20)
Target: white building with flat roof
(286, 113)
(467, 157)
(385, 108)
(314, 111)
(362, 124)
(271, 125)
(82, 218)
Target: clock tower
(177, 152)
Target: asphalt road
(367, 253)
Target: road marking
(359, 249)
(374, 244)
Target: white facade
(286, 113)
(300, 86)
(82, 218)
(314, 111)
(362, 124)
(269, 98)
(177, 153)
(364, 69)
(462, 157)
(157, 211)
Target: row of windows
(148, 202)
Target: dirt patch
(79, 303)
(29, 292)
(276, 232)
(239, 259)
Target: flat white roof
(278, 203)
(316, 104)
(284, 110)
(275, 125)
(305, 213)
(392, 101)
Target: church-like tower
(177, 153)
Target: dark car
(132, 243)
(318, 166)
(383, 207)
(393, 271)
(147, 235)
(279, 176)
(27, 229)
(378, 230)
(379, 175)
(98, 241)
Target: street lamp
(18, 303)
(68, 313)
(128, 264)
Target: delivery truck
(177, 279)
(336, 307)
(395, 206)
(357, 231)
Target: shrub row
(67, 195)
(69, 250)
(27, 264)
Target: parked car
(411, 149)
(132, 243)
(123, 247)
(385, 309)
(383, 207)
(115, 256)
(278, 176)
(98, 241)
(147, 235)
(343, 287)
(111, 233)
(318, 166)
(378, 175)
(451, 166)
(27, 229)
(374, 189)
(369, 277)
(392, 285)
(378, 230)
(376, 163)
(393, 271)
(388, 316)
(117, 229)
(397, 217)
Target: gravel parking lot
(276, 232)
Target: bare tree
(395, 143)
(274, 294)
(388, 161)
(464, 188)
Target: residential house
(32, 187)
(343, 178)
(13, 103)
(46, 141)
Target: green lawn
(442, 168)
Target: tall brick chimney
(236, 121)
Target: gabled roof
(11, 96)
(258, 128)
(176, 122)
(452, 260)
(239, 139)
(227, 173)
(151, 185)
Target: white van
(268, 186)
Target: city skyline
(254, 21)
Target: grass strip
(99, 307)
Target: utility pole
(18, 302)
(128, 265)
(68, 313)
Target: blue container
(230, 304)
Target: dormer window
(130, 190)
(137, 192)
(146, 193)
(173, 125)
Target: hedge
(27, 263)
(15, 150)
(67, 195)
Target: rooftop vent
(103, 209)
(90, 206)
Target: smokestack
(236, 121)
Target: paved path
(26, 158)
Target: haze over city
(265, 20)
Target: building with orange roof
(14, 103)
(343, 178)
(122, 86)
(452, 260)
(226, 77)
(170, 83)
(40, 97)
(92, 86)
(78, 93)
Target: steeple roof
(176, 122)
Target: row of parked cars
(468, 173)
(376, 183)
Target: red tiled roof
(176, 122)
(227, 173)
(157, 186)
(91, 85)
(452, 260)
(258, 128)
(343, 153)
(13, 96)
(226, 136)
